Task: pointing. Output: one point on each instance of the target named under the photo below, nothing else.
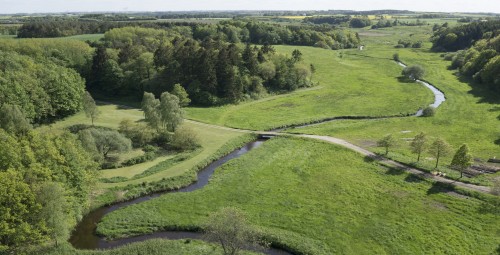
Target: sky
(31, 6)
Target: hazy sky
(17, 6)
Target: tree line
(447, 38)
(439, 148)
(482, 60)
(234, 31)
(133, 60)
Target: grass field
(150, 247)
(469, 115)
(211, 140)
(345, 78)
(317, 198)
(86, 37)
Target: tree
(439, 148)
(170, 112)
(462, 159)
(18, 226)
(387, 142)
(150, 107)
(105, 141)
(414, 72)
(13, 120)
(429, 111)
(90, 108)
(53, 211)
(418, 144)
(296, 56)
(396, 57)
(230, 229)
(181, 93)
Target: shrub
(185, 138)
(414, 72)
(396, 57)
(429, 111)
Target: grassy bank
(345, 79)
(317, 198)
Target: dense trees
(460, 37)
(163, 115)
(206, 73)
(104, 141)
(481, 62)
(42, 89)
(45, 181)
(13, 120)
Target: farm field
(368, 208)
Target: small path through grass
(344, 143)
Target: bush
(185, 138)
(399, 46)
(417, 45)
(429, 111)
(396, 57)
(414, 72)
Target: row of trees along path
(381, 159)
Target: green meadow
(350, 83)
(317, 198)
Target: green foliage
(18, 227)
(170, 111)
(42, 89)
(414, 72)
(13, 120)
(51, 197)
(461, 37)
(185, 138)
(429, 111)
(495, 189)
(462, 159)
(395, 56)
(104, 141)
(229, 228)
(90, 108)
(360, 22)
(387, 142)
(439, 148)
(418, 144)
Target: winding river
(84, 236)
(439, 97)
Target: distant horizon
(222, 11)
(107, 6)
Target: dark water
(84, 235)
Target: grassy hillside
(317, 198)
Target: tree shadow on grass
(395, 171)
(439, 187)
(414, 178)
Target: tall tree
(387, 142)
(418, 144)
(171, 113)
(439, 148)
(150, 107)
(106, 141)
(90, 108)
(53, 211)
(462, 160)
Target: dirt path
(362, 151)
